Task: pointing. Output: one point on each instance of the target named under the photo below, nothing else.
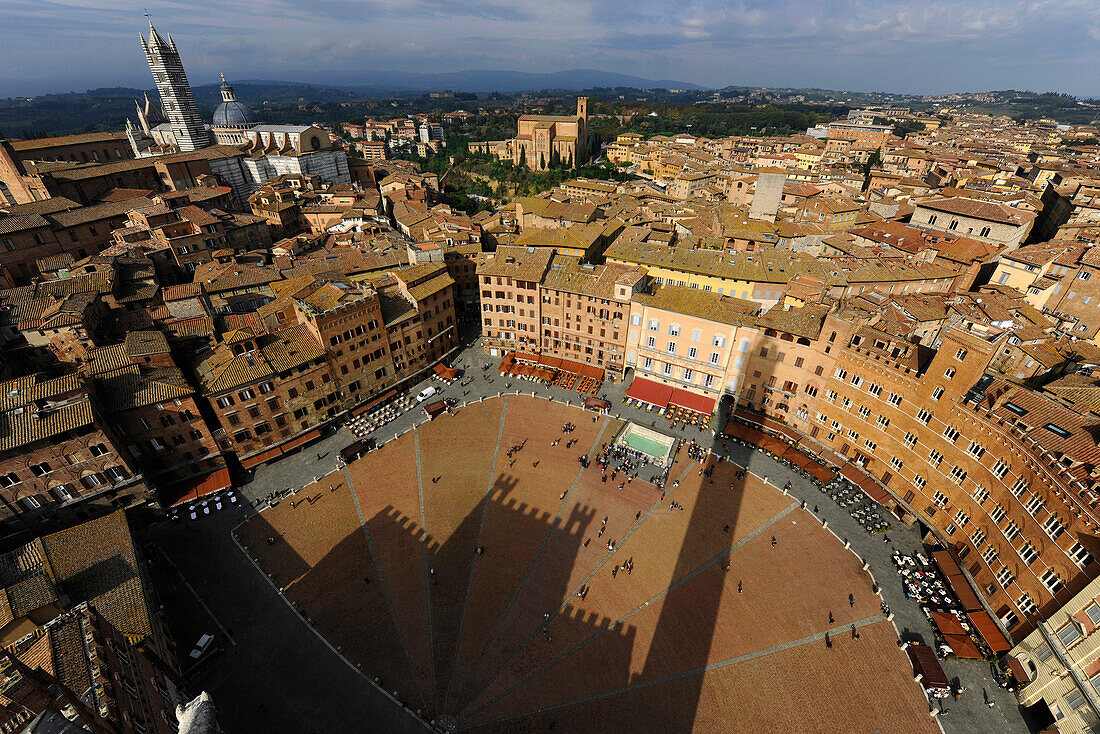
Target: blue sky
(922, 46)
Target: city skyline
(903, 46)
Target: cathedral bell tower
(175, 92)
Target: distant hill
(484, 81)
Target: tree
(523, 156)
(542, 161)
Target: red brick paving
(458, 449)
(518, 488)
(564, 563)
(321, 556)
(393, 521)
(858, 686)
(789, 591)
(772, 610)
(656, 548)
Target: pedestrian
(851, 600)
(773, 541)
(828, 642)
(989, 703)
(331, 488)
(562, 496)
(740, 588)
(638, 515)
(831, 618)
(727, 529)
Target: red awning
(989, 631)
(447, 373)
(925, 663)
(949, 567)
(692, 401)
(257, 459)
(589, 370)
(1018, 671)
(963, 646)
(191, 491)
(870, 488)
(650, 392)
(553, 363)
(303, 439)
(378, 400)
(820, 473)
(948, 623)
(524, 357)
(774, 445)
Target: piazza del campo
(523, 403)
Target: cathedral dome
(232, 112)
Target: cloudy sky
(919, 46)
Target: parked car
(202, 646)
(425, 394)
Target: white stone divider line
(473, 566)
(769, 523)
(523, 580)
(427, 566)
(319, 636)
(690, 464)
(790, 644)
(385, 586)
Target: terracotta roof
(988, 210)
(702, 304)
(60, 140)
(230, 276)
(96, 562)
(519, 263)
(278, 352)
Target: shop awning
(376, 401)
(692, 401)
(594, 403)
(925, 664)
(257, 459)
(553, 363)
(197, 488)
(989, 631)
(950, 568)
(963, 647)
(591, 370)
(445, 372)
(805, 463)
(1018, 671)
(774, 445)
(947, 623)
(870, 488)
(301, 440)
(650, 392)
